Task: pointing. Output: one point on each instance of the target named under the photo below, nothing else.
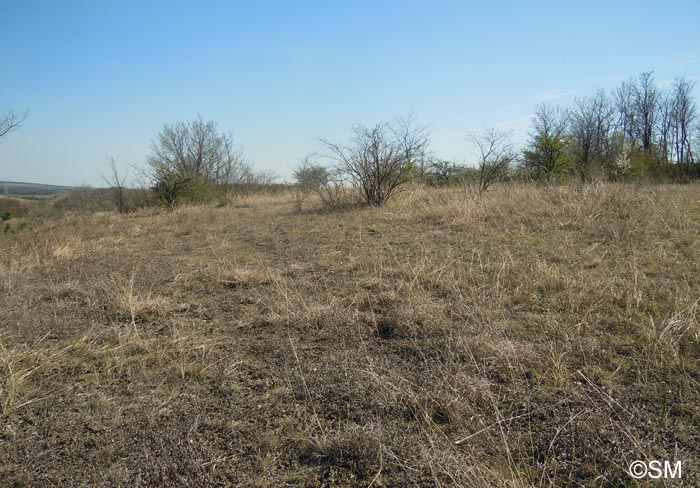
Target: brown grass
(17, 207)
(529, 336)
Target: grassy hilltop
(529, 336)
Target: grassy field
(530, 336)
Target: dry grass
(17, 207)
(524, 337)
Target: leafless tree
(551, 120)
(637, 102)
(10, 122)
(684, 113)
(413, 139)
(496, 156)
(116, 182)
(664, 124)
(591, 121)
(380, 159)
(196, 148)
(645, 107)
(624, 103)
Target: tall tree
(624, 96)
(645, 107)
(683, 114)
(591, 122)
(664, 125)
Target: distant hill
(21, 188)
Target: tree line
(637, 130)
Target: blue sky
(100, 79)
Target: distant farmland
(24, 190)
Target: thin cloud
(685, 62)
(545, 97)
(516, 123)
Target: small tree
(549, 150)
(548, 156)
(496, 156)
(116, 182)
(191, 156)
(379, 159)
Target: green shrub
(643, 165)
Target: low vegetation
(525, 336)
(13, 207)
(390, 319)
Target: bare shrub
(379, 159)
(313, 178)
(194, 161)
(496, 156)
(196, 148)
(116, 181)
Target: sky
(100, 78)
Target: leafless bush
(313, 178)
(194, 161)
(496, 156)
(116, 182)
(196, 148)
(380, 159)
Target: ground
(529, 336)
